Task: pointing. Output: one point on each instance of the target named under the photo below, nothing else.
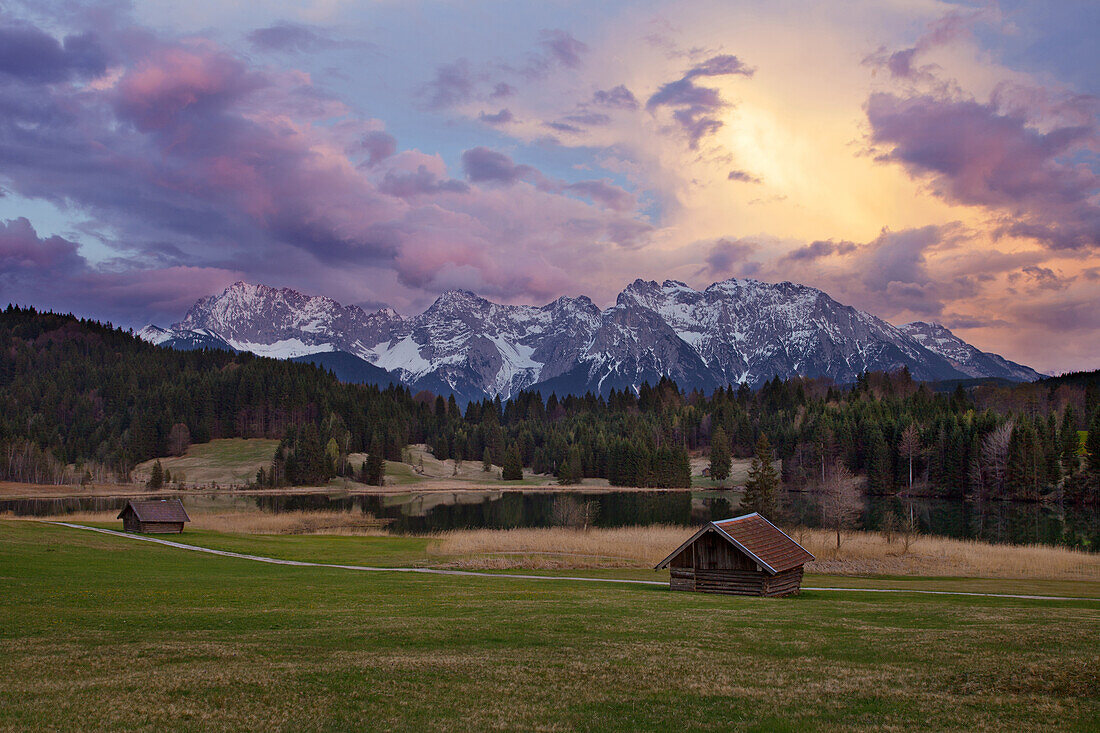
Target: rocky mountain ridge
(733, 331)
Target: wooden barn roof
(157, 510)
(758, 538)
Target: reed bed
(860, 553)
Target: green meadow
(101, 632)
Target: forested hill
(90, 393)
(75, 392)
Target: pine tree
(569, 472)
(879, 473)
(762, 488)
(1024, 466)
(1092, 449)
(720, 460)
(1070, 443)
(486, 461)
(374, 470)
(156, 476)
(512, 469)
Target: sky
(918, 159)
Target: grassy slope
(225, 461)
(101, 632)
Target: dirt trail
(516, 576)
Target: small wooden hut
(160, 516)
(745, 555)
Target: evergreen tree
(762, 488)
(512, 469)
(569, 470)
(720, 460)
(486, 461)
(1092, 450)
(880, 475)
(1070, 442)
(1024, 466)
(374, 470)
(156, 477)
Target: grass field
(224, 462)
(101, 632)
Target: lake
(1008, 522)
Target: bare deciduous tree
(568, 512)
(995, 457)
(840, 499)
(179, 439)
(909, 446)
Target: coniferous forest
(79, 398)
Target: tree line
(78, 396)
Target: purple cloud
(378, 145)
(694, 106)
(720, 66)
(726, 254)
(484, 165)
(819, 249)
(500, 118)
(419, 183)
(617, 97)
(36, 57)
(606, 193)
(974, 154)
(563, 47)
(289, 38)
(453, 84)
(742, 177)
(591, 119)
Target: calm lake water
(1012, 522)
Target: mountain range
(734, 331)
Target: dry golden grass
(860, 553)
(299, 522)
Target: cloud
(453, 84)
(23, 254)
(177, 81)
(563, 47)
(289, 38)
(954, 25)
(720, 66)
(742, 176)
(419, 183)
(975, 154)
(592, 119)
(725, 254)
(500, 118)
(1040, 278)
(694, 107)
(484, 165)
(618, 97)
(33, 56)
(606, 193)
(378, 145)
(820, 248)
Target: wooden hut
(161, 516)
(745, 555)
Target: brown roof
(765, 542)
(758, 538)
(157, 510)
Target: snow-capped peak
(734, 331)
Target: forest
(82, 400)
